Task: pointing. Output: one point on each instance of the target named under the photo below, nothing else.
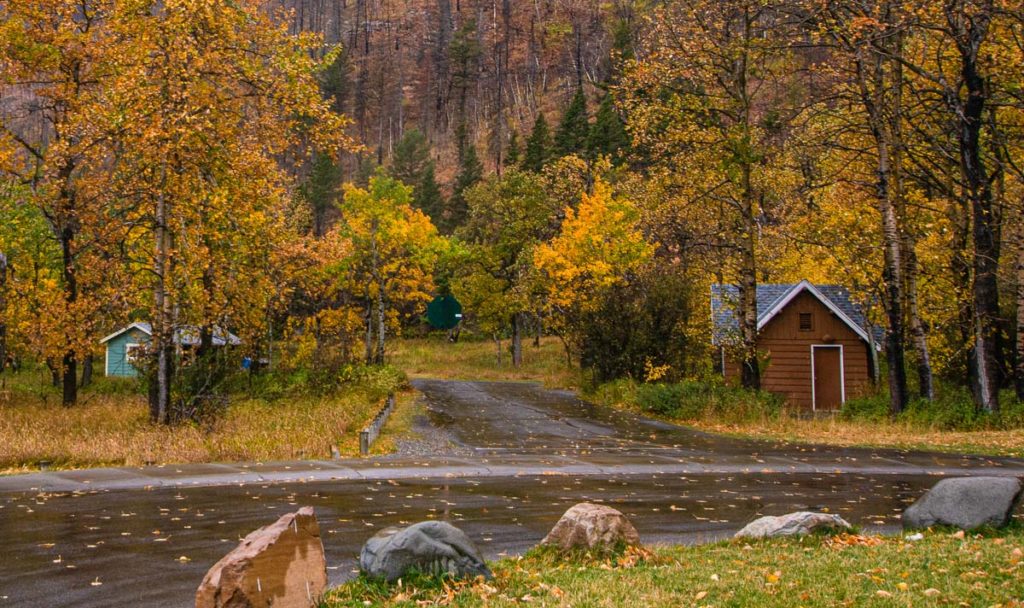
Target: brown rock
(587, 525)
(280, 565)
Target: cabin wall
(116, 363)
(788, 352)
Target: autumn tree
(58, 58)
(508, 217)
(712, 88)
(210, 206)
(598, 245)
(394, 250)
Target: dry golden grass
(114, 430)
(875, 434)
(468, 359)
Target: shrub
(694, 400)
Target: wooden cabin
(125, 346)
(816, 347)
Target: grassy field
(944, 569)
(475, 359)
(110, 426)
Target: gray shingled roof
(187, 335)
(724, 299)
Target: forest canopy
(313, 172)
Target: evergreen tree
(321, 190)
(608, 133)
(471, 170)
(412, 155)
(538, 146)
(512, 154)
(427, 196)
(571, 137)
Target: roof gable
(772, 298)
(187, 335)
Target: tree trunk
(517, 340)
(985, 259)
(3, 312)
(750, 370)
(163, 332)
(918, 332)
(54, 372)
(368, 355)
(87, 365)
(497, 344)
(381, 325)
(892, 280)
(1019, 344)
(69, 364)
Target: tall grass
(476, 358)
(110, 426)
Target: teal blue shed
(127, 345)
(124, 347)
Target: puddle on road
(153, 547)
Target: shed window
(133, 353)
(806, 321)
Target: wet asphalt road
(150, 546)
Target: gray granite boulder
(589, 526)
(966, 503)
(793, 524)
(431, 547)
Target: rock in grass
(430, 547)
(280, 565)
(793, 524)
(589, 526)
(966, 503)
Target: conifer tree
(427, 196)
(412, 155)
(571, 137)
(538, 146)
(471, 170)
(321, 190)
(608, 133)
(512, 154)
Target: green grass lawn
(846, 570)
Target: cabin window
(806, 321)
(133, 353)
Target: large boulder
(793, 524)
(430, 547)
(280, 565)
(966, 502)
(588, 526)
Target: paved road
(519, 456)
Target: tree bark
(163, 332)
(87, 369)
(985, 224)
(918, 332)
(1019, 343)
(517, 340)
(3, 312)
